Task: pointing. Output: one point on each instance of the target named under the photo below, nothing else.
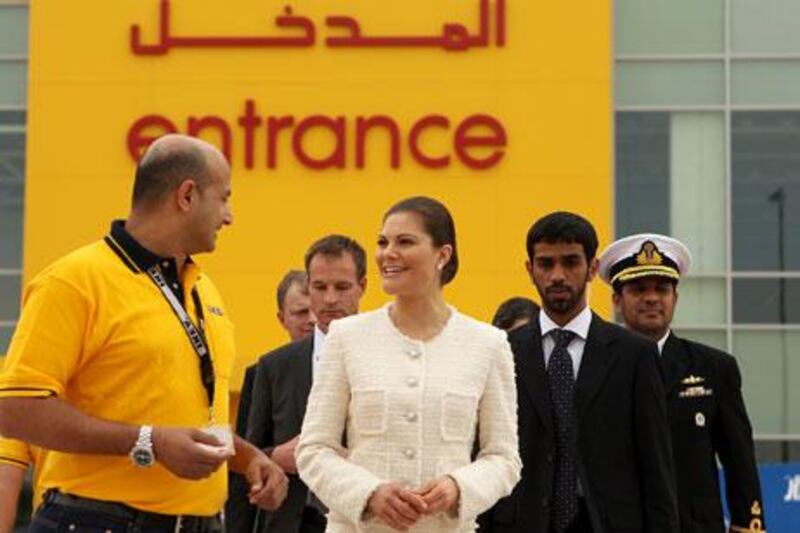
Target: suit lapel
(674, 362)
(530, 362)
(595, 364)
(304, 376)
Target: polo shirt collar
(134, 255)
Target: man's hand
(395, 506)
(283, 454)
(187, 452)
(268, 483)
(440, 495)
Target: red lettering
(249, 121)
(274, 125)
(365, 124)
(413, 141)
(463, 141)
(138, 140)
(197, 125)
(477, 142)
(337, 156)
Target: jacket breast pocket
(370, 411)
(459, 412)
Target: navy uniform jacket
(622, 442)
(708, 420)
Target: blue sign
(780, 487)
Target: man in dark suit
(703, 386)
(294, 314)
(593, 430)
(336, 268)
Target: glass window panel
(5, 338)
(697, 187)
(13, 80)
(10, 300)
(13, 30)
(711, 337)
(765, 159)
(765, 82)
(12, 117)
(700, 301)
(761, 356)
(765, 27)
(772, 451)
(642, 172)
(12, 163)
(758, 301)
(651, 26)
(669, 83)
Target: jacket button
(549, 458)
(413, 353)
(545, 501)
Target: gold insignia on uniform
(649, 255)
(695, 392)
(756, 526)
(692, 380)
(756, 508)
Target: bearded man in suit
(593, 430)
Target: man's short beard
(564, 306)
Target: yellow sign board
(329, 111)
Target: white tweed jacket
(410, 411)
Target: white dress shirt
(316, 354)
(578, 325)
(663, 341)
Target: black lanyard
(197, 336)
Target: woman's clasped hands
(401, 508)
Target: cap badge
(649, 255)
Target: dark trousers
(52, 517)
(313, 521)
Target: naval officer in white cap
(707, 415)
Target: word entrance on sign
(477, 141)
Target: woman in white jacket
(410, 386)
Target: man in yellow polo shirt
(121, 363)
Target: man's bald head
(168, 162)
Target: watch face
(142, 457)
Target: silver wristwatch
(142, 452)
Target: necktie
(561, 385)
